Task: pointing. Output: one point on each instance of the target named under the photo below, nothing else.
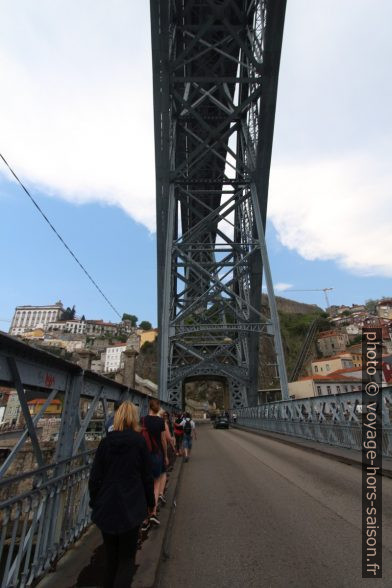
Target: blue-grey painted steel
(328, 419)
(27, 545)
(215, 73)
(44, 510)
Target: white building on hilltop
(27, 318)
(74, 326)
(113, 357)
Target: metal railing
(38, 525)
(334, 419)
(46, 509)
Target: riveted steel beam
(215, 67)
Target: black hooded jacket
(121, 484)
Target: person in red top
(178, 433)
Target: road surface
(253, 512)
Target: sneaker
(145, 526)
(154, 520)
(162, 499)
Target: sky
(76, 124)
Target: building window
(319, 390)
(338, 389)
(316, 369)
(328, 389)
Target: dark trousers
(120, 558)
(178, 439)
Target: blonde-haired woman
(121, 493)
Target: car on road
(221, 422)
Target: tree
(145, 325)
(83, 318)
(131, 318)
(370, 305)
(68, 314)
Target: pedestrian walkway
(258, 513)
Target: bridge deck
(255, 512)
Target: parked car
(221, 422)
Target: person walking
(178, 434)
(109, 423)
(121, 489)
(155, 427)
(169, 444)
(189, 428)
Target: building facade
(27, 318)
(53, 410)
(327, 365)
(384, 308)
(147, 336)
(113, 359)
(334, 383)
(74, 326)
(13, 409)
(331, 342)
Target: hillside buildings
(330, 342)
(27, 318)
(384, 308)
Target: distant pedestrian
(178, 433)
(121, 489)
(109, 422)
(155, 427)
(189, 428)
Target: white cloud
(282, 286)
(76, 114)
(76, 119)
(279, 287)
(336, 209)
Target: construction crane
(325, 290)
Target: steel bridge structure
(44, 503)
(215, 77)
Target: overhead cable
(59, 236)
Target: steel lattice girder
(215, 69)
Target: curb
(66, 573)
(329, 451)
(157, 547)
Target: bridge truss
(215, 71)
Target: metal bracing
(334, 419)
(44, 509)
(215, 70)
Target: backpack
(178, 430)
(152, 445)
(188, 427)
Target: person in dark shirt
(121, 489)
(155, 426)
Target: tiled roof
(337, 356)
(346, 370)
(42, 401)
(330, 378)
